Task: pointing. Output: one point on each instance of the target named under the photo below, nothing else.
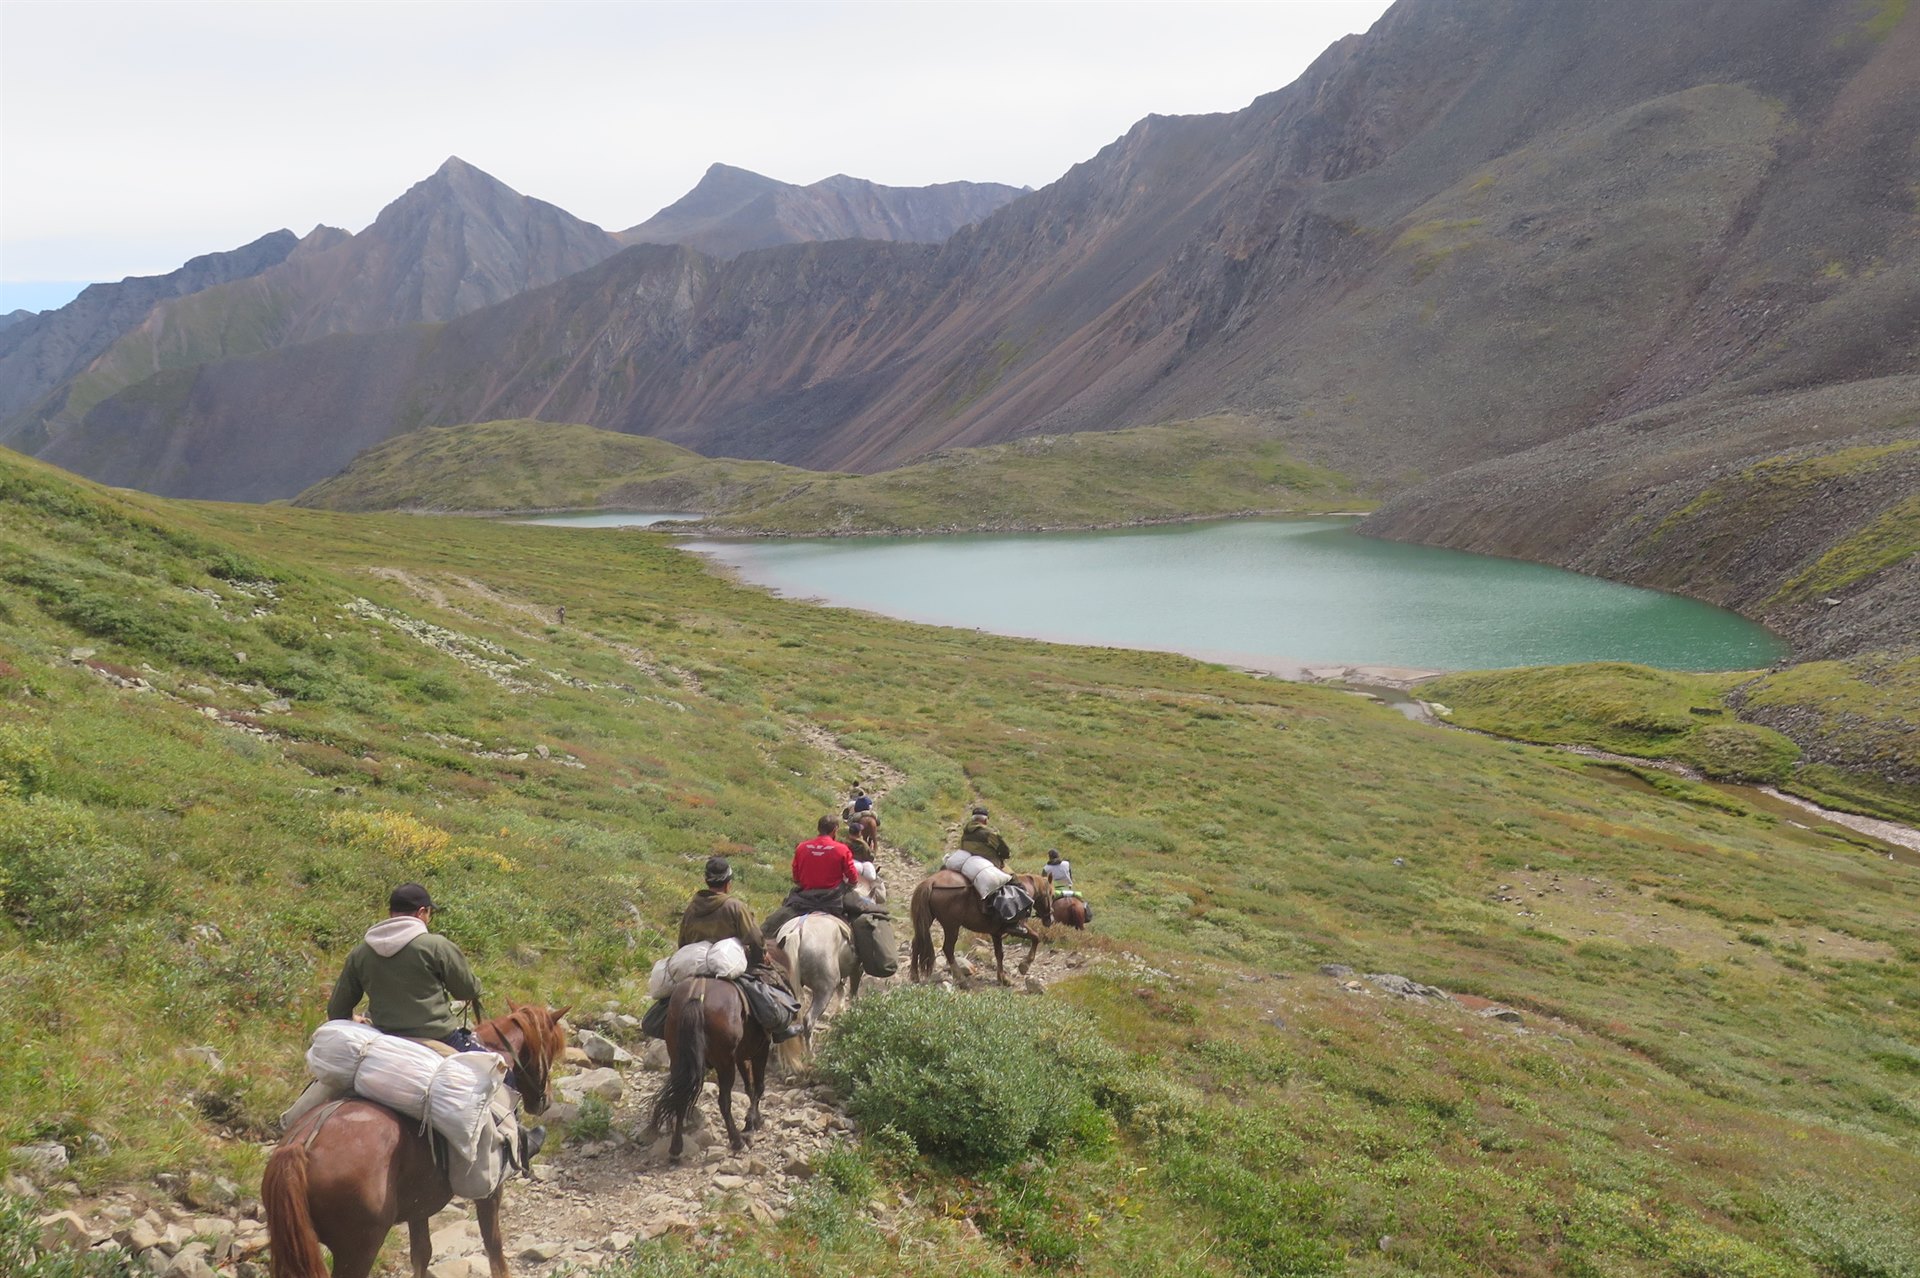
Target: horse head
(531, 1039)
(1042, 889)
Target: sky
(134, 136)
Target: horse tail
(689, 1070)
(920, 964)
(290, 1233)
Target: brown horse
(346, 1173)
(1072, 911)
(708, 1024)
(948, 898)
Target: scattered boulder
(189, 1262)
(1405, 988)
(601, 1050)
(43, 1160)
(654, 1057)
(1338, 971)
(63, 1231)
(540, 1252)
(604, 1083)
(1499, 1013)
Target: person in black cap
(409, 976)
(714, 913)
(979, 838)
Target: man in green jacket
(979, 838)
(409, 976)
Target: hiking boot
(781, 1036)
(532, 1140)
(1020, 930)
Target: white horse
(821, 946)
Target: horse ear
(562, 1012)
(511, 1007)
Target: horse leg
(1000, 959)
(949, 937)
(420, 1246)
(753, 1077)
(354, 1257)
(735, 1141)
(487, 1212)
(1032, 950)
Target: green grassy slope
(1212, 467)
(1859, 720)
(1723, 1010)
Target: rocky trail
(605, 1181)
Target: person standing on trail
(979, 838)
(409, 976)
(823, 870)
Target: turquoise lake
(1274, 594)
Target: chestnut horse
(708, 1024)
(947, 897)
(1073, 912)
(346, 1173)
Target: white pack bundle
(687, 962)
(452, 1093)
(334, 1055)
(986, 877)
(726, 960)
(460, 1097)
(659, 983)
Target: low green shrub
(26, 761)
(1742, 752)
(977, 1081)
(58, 870)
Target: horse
(823, 962)
(947, 897)
(708, 1023)
(1073, 911)
(346, 1173)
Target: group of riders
(411, 977)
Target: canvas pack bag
(986, 877)
(874, 945)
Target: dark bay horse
(708, 1024)
(947, 898)
(344, 1175)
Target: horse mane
(530, 1037)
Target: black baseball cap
(409, 898)
(718, 871)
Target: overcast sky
(134, 136)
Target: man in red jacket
(822, 872)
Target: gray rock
(541, 1252)
(616, 1242)
(604, 1083)
(728, 1181)
(63, 1231)
(654, 1056)
(454, 1267)
(1403, 987)
(189, 1262)
(1338, 971)
(43, 1160)
(602, 1050)
(799, 1166)
(20, 1187)
(1498, 1013)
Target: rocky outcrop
(733, 211)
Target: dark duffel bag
(873, 943)
(771, 1006)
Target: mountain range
(1465, 258)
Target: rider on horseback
(979, 838)
(715, 914)
(823, 870)
(408, 975)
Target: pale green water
(1262, 592)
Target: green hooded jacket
(409, 977)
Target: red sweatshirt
(823, 862)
